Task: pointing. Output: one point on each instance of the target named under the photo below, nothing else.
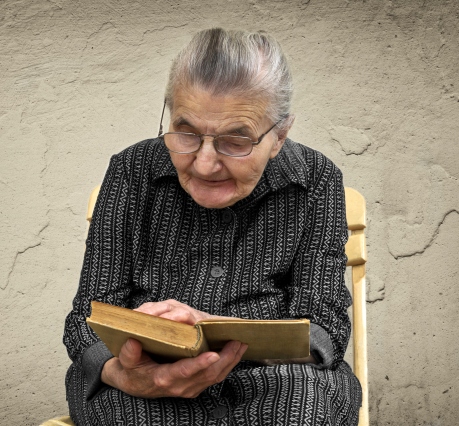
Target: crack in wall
(352, 140)
(45, 168)
(379, 298)
(349, 152)
(432, 240)
(378, 294)
(7, 185)
(18, 253)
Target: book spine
(201, 343)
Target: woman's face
(212, 179)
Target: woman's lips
(211, 182)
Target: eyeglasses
(188, 143)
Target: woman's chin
(212, 202)
(213, 199)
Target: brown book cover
(171, 340)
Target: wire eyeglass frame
(250, 142)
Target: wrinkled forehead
(195, 103)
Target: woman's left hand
(175, 311)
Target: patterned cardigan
(278, 253)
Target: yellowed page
(267, 339)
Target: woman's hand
(135, 373)
(175, 311)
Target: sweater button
(227, 217)
(216, 271)
(219, 412)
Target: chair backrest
(356, 252)
(92, 203)
(357, 256)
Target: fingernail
(237, 345)
(213, 358)
(129, 344)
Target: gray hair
(238, 63)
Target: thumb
(130, 355)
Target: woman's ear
(282, 135)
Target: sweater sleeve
(105, 274)
(318, 290)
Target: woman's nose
(207, 160)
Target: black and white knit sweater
(279, 253)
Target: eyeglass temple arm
(272, 127)
(161, 122)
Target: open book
(171, 340)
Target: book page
(267, 339)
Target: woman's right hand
(135, 373)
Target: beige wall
(377, 90)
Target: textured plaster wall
(377, 90)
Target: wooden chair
(356, 252)
(66, 420)
(59, 421)
(357, 256)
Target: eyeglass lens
(225, 144)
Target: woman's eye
(185, 129)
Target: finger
(180, 315)
(188, 367)
(155, 308)
(233, 350)
(131, 354)
(230, 356)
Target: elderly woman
(220, 216)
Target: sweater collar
(287, 168)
